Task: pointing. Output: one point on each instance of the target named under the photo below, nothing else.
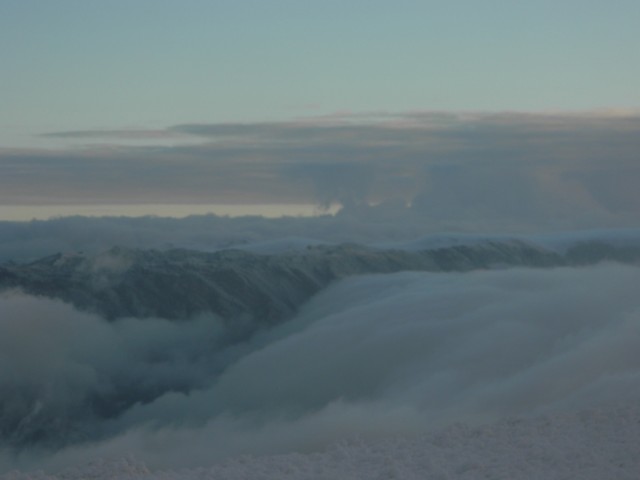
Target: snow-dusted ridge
(179, 284)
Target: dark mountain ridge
(179, 284)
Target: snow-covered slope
(601, 444)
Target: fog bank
(370, 356)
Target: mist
(368, 357)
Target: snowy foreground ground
(595, 444)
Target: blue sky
(84, 64)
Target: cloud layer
(370, 356)
(507, 170)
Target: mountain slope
(179, 284)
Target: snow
(595, 444)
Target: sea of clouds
(370, 357)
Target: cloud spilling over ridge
(506, 170)
(370, 356)
(62, 371)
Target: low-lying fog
(370, 356)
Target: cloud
(63, 372)
(130, 134)
(370, 356)
(508, 170)
(348, 184)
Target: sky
(201, 102)
(85, 64)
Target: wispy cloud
(113, 134)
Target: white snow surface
(597, 444)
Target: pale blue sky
(84, 64)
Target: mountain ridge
(178, 284)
